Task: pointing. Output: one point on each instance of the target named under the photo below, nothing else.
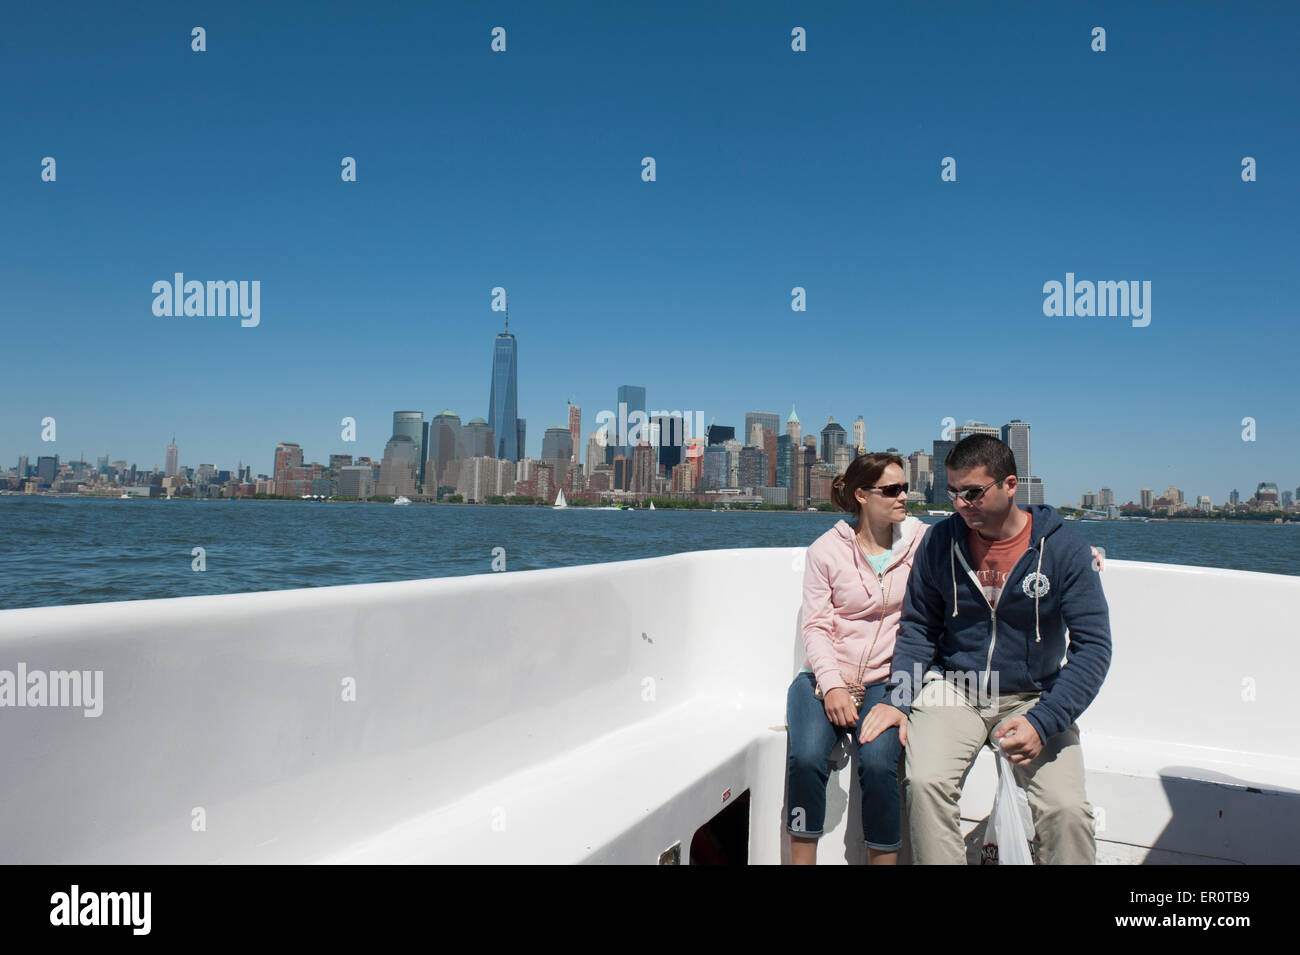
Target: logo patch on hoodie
(1036, 585)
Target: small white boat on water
(652, 505)
(559, 500)
(403, 500)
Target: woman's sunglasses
(889, 490)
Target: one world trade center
(503, 403)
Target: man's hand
(1098, 560)
(840, 709)
(881, 717)
(1019, 740)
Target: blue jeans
(812, 737)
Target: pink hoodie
(842, 603)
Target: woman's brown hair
(864, 471)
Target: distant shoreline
(1288, 520)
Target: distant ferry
(403, 500)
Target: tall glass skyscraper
(633, 396)
(503, 403)
(411, 424)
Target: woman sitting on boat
(855, 578)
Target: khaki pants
(944, 734)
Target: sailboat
(652, 505)
(559, 500)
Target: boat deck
(601, 713)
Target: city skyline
(376, 294)
(404, 426)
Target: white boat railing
(595, 713)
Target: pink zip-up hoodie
(843, 602)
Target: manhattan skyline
(774, 170)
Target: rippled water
(72, 550)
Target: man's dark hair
(982, 449)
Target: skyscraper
(557, 448)
(173, 458)
(719, 433)
(477, 440)
(503, 403)
(630, 398)
(919, 469)
(669, 436)
(975, 427)
(715, 468)
(859, 436)
(786, 448)
(769, 422)
(1016, 434)
(833, 436)
(939, 472)
(400, 466)
(411, 424)
(575, 429)
(795, 430)
(444, 446)
(642, 470)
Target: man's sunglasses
(889, 490)
(971, 494)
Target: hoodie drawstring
(952, 566)
(1038, 589)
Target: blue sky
(775, 169)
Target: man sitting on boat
(992, 593)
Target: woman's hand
(840, 709)
(881, 717)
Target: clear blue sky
(775, 169)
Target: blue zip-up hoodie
(948, 624)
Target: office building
(768, 421)
(939, 472)
(859, 436)
(793, 428)
(833, 436)
(412, 424)
(400, 467)
(477, 440)
(631, 398)
(575, 429)
(718, 433)
(557, 448)
(1147, 498)
(503, 402)
(172, 468)
(356, 481)
(753, 467)
(668, 436)
(714, 471)
(1016, 435)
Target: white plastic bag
(1011, 824)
